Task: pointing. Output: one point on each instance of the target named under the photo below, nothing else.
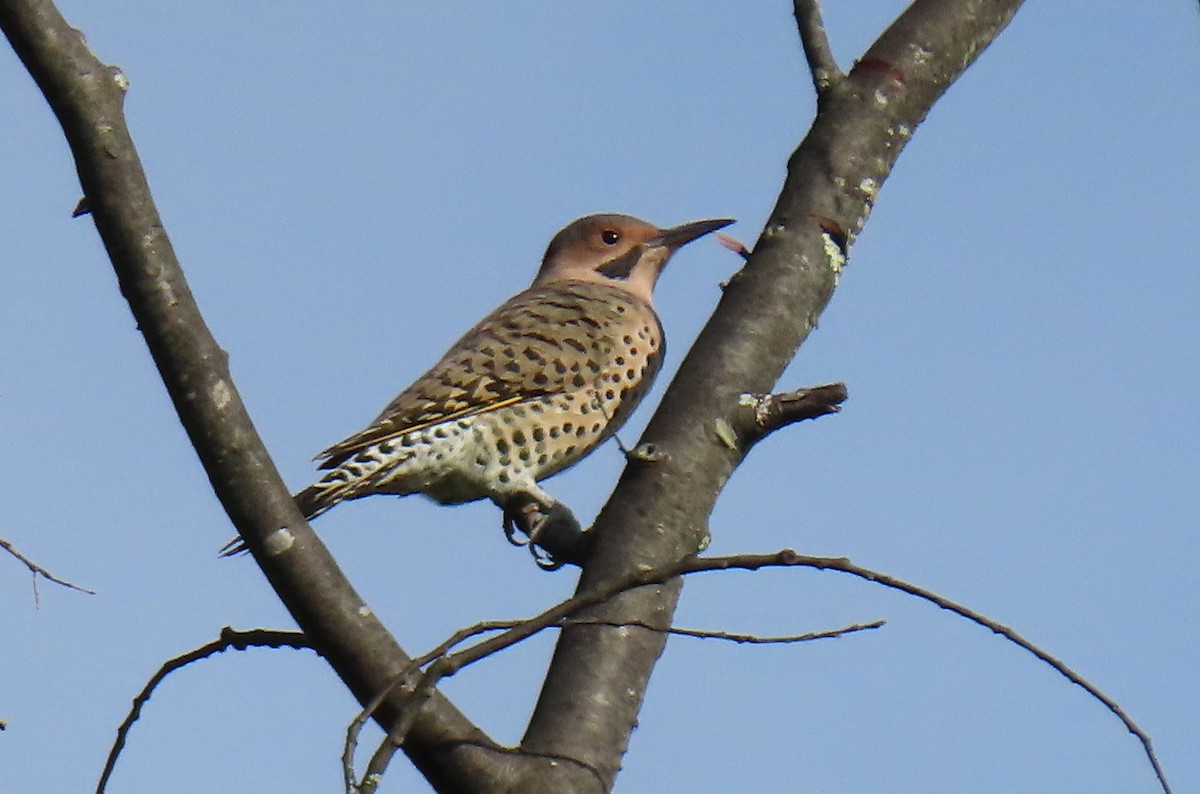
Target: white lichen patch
(120, 78)
(364, 611)
(647, 453)
(221, 394)
(869, 188)
(279, 541)
(881, 99)
(834, 255)
(726, 433)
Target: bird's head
(617, 250)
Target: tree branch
(659, 512)
(230, 639)
(821, 63)
(87, 97)
(741, 638)
(378, 764)
(37, 570)
(788, 558)
(759, 415)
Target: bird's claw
(552, 533)
(527, 517)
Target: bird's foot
(522, 513)
(552, 533)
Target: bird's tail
(316, 499)
(312, 502)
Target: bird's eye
(609, 237)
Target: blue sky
(348, 192)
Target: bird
(530, 390)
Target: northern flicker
(531, 389)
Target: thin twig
(37, 570)
(788, 558)
(354, 729)
(817, 51)
(484, 627)
(230, 639)
(677, 631)
(741, 639)
(378, 764)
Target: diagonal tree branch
(659, 512)
(87, 97)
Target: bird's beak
(681, 235)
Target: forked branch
(36, 571)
